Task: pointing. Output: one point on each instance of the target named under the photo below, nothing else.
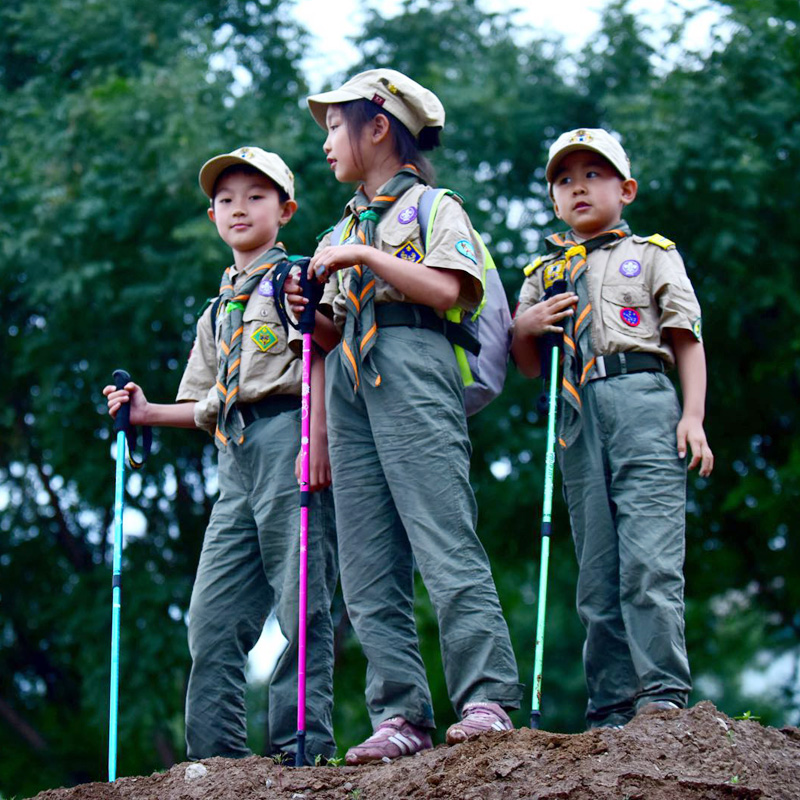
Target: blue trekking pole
(121, 425)
(554, 343)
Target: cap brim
(318, 104)
(214, 167)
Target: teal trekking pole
(121, 425)
(550, 371)
(123, 429)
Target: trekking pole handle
(312, 291)
(123, 419)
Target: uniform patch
(265, 288)
(630, 268)
(697, 329)
(630, 316)
(407, 215)
(264, 337)
(581, 136)
(464, 246)
(408, 252)
(554, 272)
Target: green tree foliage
(106, 257)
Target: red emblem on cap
(376, 98)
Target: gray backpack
(481, 339)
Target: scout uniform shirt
(271, 359)
(452, 245)
(637, 287)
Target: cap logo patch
(630, 316)
(376, 98)
(464, 246)
(407, 215)
(390, 86)
(408, 252)
(581, 137)
(245, 152)
(265, 288)
(630, 268)
(264, 337)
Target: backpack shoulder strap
(426, 211)
(214, 314)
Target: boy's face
(589, 193)
(248, 213)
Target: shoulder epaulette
(661, 241)
(324, 233)
(531, 268)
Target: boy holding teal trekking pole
(628, 314)
(243, 385)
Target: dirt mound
(695, 754)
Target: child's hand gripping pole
(121, 426)
(550, 357)
(312, 290)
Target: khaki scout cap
(595, 139)
(270, 164)
(414, 105)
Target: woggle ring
(321, 271)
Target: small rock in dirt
(434, 780)
(386, 760)
(268, 782)
(348, 786)
(194, 772)
(298, 796)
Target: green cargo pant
(625, 488)
(249, 566)
(400, 459)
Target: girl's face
(342, 156)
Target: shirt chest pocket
(403, 241)
(627, 310)
(263, 331)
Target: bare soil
(693, 754)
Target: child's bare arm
(535, 321)
(691, 359)
(320, 473)
(172, 415)
(438, 288)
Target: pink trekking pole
(312, 291)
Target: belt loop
(623, 364)
(600, 367)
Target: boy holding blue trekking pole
(628, 314)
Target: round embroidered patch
(407, 215)
(697, 329)
(464, 246)
(630, 316)
(265, 287)
(630, 268)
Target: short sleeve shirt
(271, 358)
(637, 290)
(452, 245)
